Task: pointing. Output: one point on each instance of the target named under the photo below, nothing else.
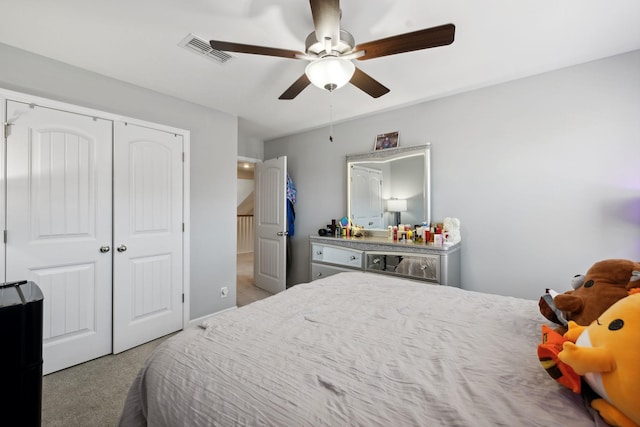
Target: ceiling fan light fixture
(330, 72)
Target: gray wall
(213, 158)
(248, 144)
(543, 173)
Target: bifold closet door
(148, 223)
(59, 189)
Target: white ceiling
(137, 41)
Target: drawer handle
(319, 274)
(319, 253)
(376, 260)
(353, 257)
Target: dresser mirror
(389, 187)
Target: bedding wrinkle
(356, 349)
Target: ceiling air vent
(204, 49)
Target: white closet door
(58, 219)
(148, 235)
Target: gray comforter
(358, 349)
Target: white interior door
(270, 217)
(148, 235)
(59, 226)
(366, 197)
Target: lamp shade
(330, 72)
(396, 205)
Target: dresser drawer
(418, 266)
(318, 271)
(335, 255)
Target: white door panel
(147, 235)
(3, 207)
(68, 289)
(270, 213)
(366, 197)
(58, 217)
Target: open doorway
(246, 290)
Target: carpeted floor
(246, 291)
(93, 393)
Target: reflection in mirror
(389, 187)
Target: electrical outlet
(224, 292)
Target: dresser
(417, 261)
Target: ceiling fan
(331, 49)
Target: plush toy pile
(602, 341)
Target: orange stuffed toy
(548, 351)
(607, 354)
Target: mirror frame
(393, 154)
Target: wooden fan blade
(297, 87)
(326, 19)
(258, 50)
(421, 39)
(368, 84)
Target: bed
(358, 349)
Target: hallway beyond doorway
(246, 290)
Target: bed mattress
(358, 349)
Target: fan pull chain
(330, 117)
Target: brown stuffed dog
(604, 284)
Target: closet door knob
(104, 249)
(122, 248)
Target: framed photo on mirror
(386, 140)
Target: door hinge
(183, 298)
(183, 157)
(7, 130)
(5, 236)
(183, 227)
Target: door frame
(186, 208)
(253, 161)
